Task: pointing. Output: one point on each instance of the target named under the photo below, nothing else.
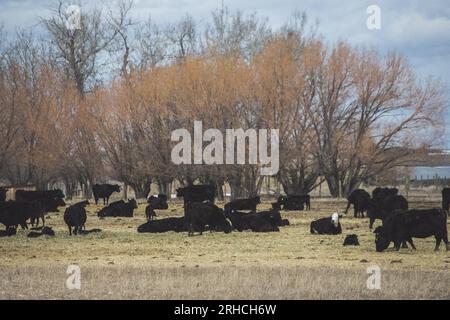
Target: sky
(420, 30)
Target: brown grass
(120, 263)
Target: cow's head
(381, 239)
(116, 188)
(257, 199)
(133, 203)
(335, 218)
(180, 192)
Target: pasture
(119, 263)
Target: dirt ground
(119, 263)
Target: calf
(159, 202)
(382, 208)
(163, 225)
(118, 209)
(359, 198)
(75, 216)
(330, 226)
(351, 240)
(242, 204)
(446, 199)
(403, 226)
(45, 231)
(104, 191)
(201, 214)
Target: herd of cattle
(399, 223)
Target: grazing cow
(197, 193)
(255, 222)
(159, 202)
(242, 204)
(3, 194)
(45, 231)
(293, 202)
(381, 208)
(163, 225)
(104, 191)
(351, 240)
(14, 213)
(75, 216)
(118, 209)
(198, 215)
(404, 225)
(359, 198)
(446, 199)
(330, 226)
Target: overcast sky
(418, 29)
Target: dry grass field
(119, 263)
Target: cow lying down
(163, 225)
(329, 225)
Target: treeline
(100, 102)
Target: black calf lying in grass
(45, 231)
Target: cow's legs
(410, 241)
(397, 245)
(438, 243)
(70, 230)
(348, 206)
(372, 220)
(96, 200)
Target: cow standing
(104, 191)
(359, 198)
(403, 226)
(381, 208)
(446, 199)
(197, 193)
(75, 216)
(198, 215)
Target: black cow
(163, 225)
(359, 198)
(381, 208)
(3, 194)
(197, 193)
(242, 204)
(118, 209)
(75, 216)
(255, 222)
(49, 200)
(446, 199)
(198, 215)
(380, 193)
(351, 240)
(293, 202)
(159, 202)
(330, 225)
(405, 225)
(104, 191)
(15, 213)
